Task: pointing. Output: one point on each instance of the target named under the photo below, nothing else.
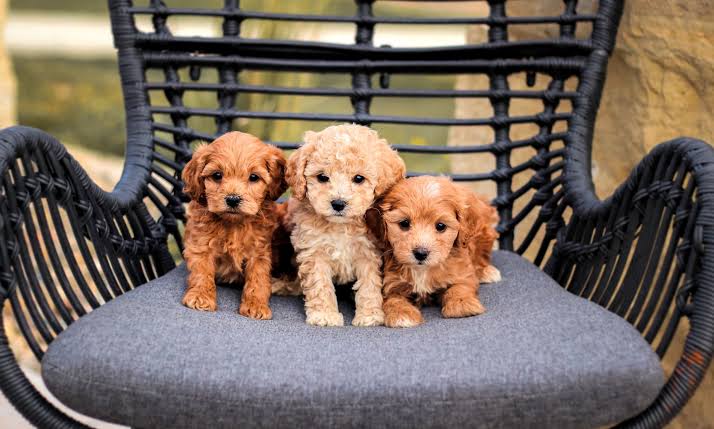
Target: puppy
(335, 177)
(232, 183)
(438, 238)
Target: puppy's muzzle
(338, 205)
(420, 254)
(233, 201)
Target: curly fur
(232, 244)
(337, 246)
(458, 257)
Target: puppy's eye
(440, 227)
(358, 179)
(322, 178)
(253, 177)
(405, 224)
(217, 176)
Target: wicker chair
(68, 248)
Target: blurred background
(58, 72)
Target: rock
(660, 83)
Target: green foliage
(77, 101)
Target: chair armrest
(66, 246)
(647, 254)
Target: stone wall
(660, 85)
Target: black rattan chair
(645, 254)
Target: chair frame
(646, 253)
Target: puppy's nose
(338, 205)
(420, 254)
(233, 201)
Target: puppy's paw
(285, 287)
(462, 307)
(199, 300)
(325, 318)
(406, 317)
(490, 274)
(255, 310)
(369, 318)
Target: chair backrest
(536, 82)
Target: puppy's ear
(295, 172)
(391, 167)
(375, 224)
(477, 218)
(275, 163)
(191, 175)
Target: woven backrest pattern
(183, 89)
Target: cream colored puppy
(335, 177)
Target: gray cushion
(539, 357)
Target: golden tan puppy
(335, 177)
(232, 183)
(439, 237)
